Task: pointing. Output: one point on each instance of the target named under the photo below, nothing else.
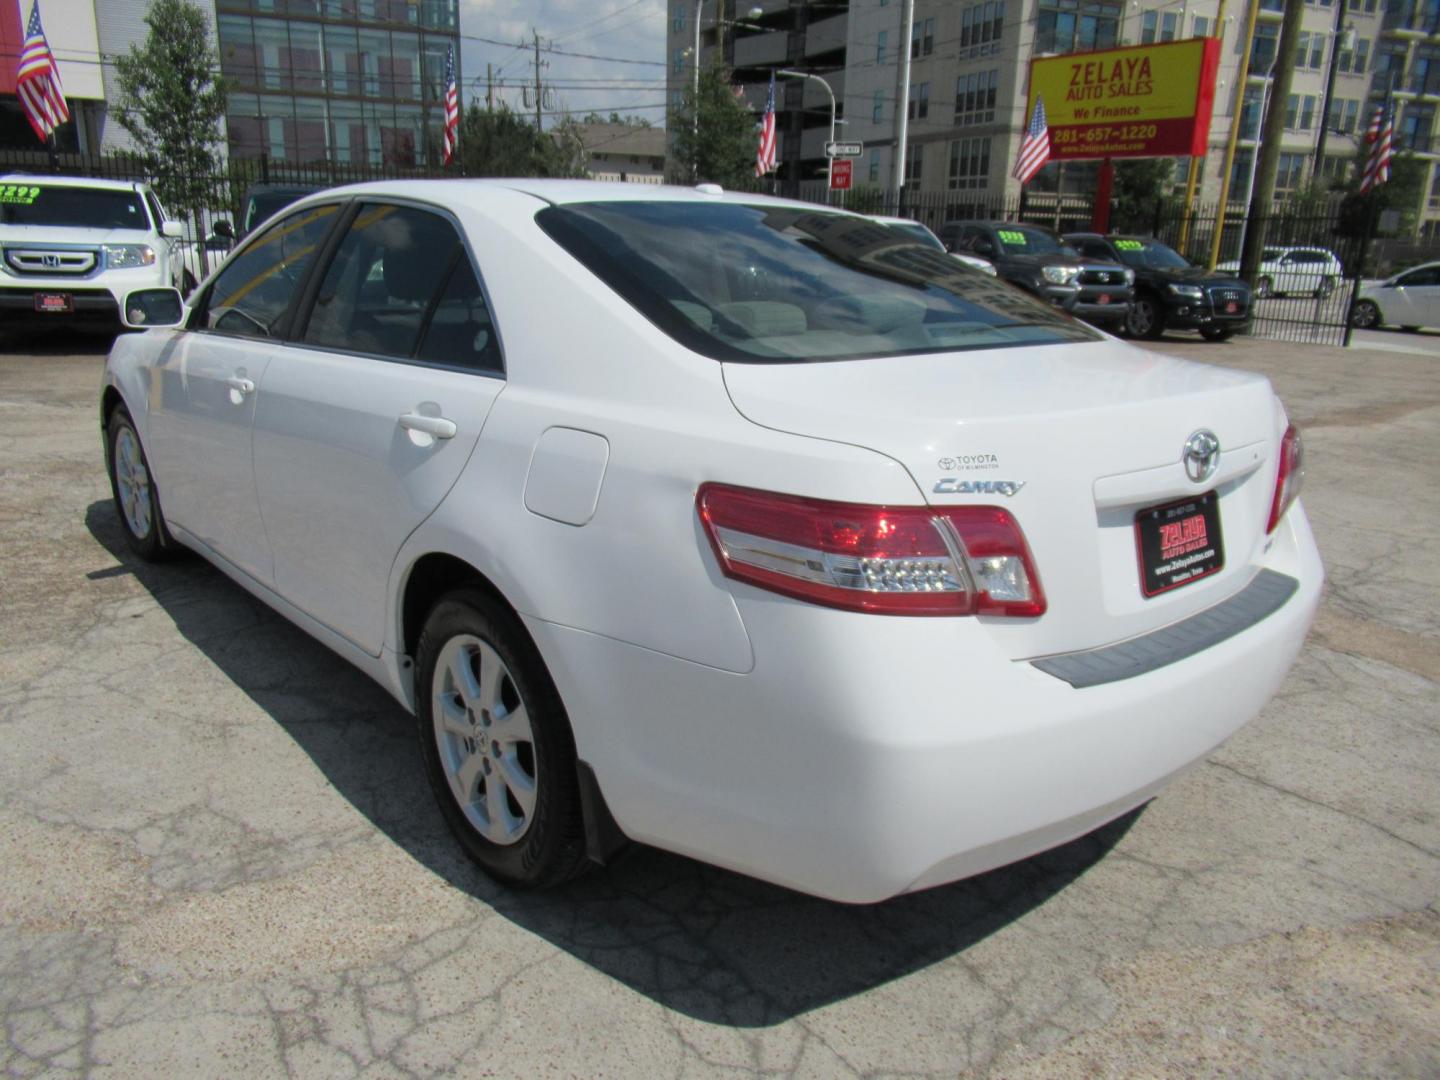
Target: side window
(254, 291)
(460, 332)
(386, 280)
(1424, 276)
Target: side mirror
(223, 229)
(172, 229)
(146, 308)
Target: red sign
(841, 170)
(1135, 101)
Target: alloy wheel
(132, 481)
(483, 733)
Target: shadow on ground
(60, 341)
(705, 942)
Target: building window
(1063, 26)
(1415, 124)
(975, 97)
(919, 101)
(1311, 53)
(1344, 114)
(877, 108)
(1250, 113)
(1158, 26)
(980, 29)
(1202, 26)
(874, 166)
(1354, 61)
(969, 164)
(1300, 112)
(922, 38)
(1335, 168)
(677, 18)
(1262, 50)
(914, 162)
(677, 61)
(1290, 171)
(881, 40)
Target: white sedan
(1293, 271)
(1410, 299)
(921, 234)
(716, 522)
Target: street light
(829, 158)
(753, 13)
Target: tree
(593, 117)
(721, 149)
(171, 102)
(499, 142)
(1141, 187)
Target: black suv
(1039, 262)
(1170, 293)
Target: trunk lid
(1073, 440)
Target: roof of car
(557, 192)
(50, 180)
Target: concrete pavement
(220, 856)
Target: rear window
(87, 208)
(782, 283)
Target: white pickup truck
(71, 248)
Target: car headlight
(119, 256)
(1190, 292)
(1129, 276)
(1060, 275)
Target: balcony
(1411, 20)
(825, 36)
(761, 50)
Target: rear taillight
(1290, 476)
(890, 560)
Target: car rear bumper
(866, 756)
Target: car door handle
(240, 383)
(437, 426)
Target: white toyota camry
(739, 527)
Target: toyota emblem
(1201, 455)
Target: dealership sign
(1142, 101)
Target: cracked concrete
(220, 856)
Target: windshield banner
(1141, 101)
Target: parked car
(71, 248)
(1291, 271)
(701, 519)
(264, 201)
(1170, 292)
(1041, 263)
(1410, 299)
(921, 234)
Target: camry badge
(1201, 455)
(953, 485)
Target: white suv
(71, 248)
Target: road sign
(844, 149)
(840, 173)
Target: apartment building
(970, 59)
(349, 81)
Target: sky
(625, 29)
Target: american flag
(1377, 168)
(1035, 146)
(452, 107)
(37, 82)
(765, 157)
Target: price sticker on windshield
(1010, 236)
(18, 193)
(1128, 245)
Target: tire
(1366, 315)
(1264, 288)
(1327, 286)
(1216, 333)
(137, 500)
(1146, 318)
(497, 744)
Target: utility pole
(539, 116)
(902, 102)
(1237, 114)
(1336, 45)
(1269, 163)
(489, 88)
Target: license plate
(1179, 543)
(1231, 308)
(54, 301)
(1104, 298)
